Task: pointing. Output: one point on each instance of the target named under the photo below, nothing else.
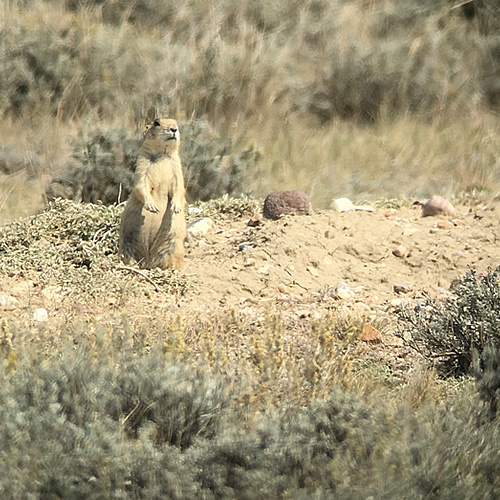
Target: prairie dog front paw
(151, 207)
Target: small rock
(398, 303)
(194, 211)
(444, 224)
(303, 313)
(364, 208)
(342, 205)
(329, 234)
(200, 227)
(436, 205)
(281, 203)
(390, 212)
(282, 288)
(40, 314)
(249, 262)
(264, 270)
(370, 334)
(361, 308)
(8, 302)
(341, 291)
(313, 271)
(400, 251)
(403, 287)
(409, 231)
(458, 254)
(255, 221)
(246, 245)
(442, 283)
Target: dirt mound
(360, 256)
(65, 259)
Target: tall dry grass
(364, 99)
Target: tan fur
(153, 225)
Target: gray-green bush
(102, 166)
(454, 331)
(106, 422)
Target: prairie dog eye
(156, 123)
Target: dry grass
(300, 82)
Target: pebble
(40, 315)
(329, 234)
(364, 208)
(327, 261)
(442, 283)
(409, 231)
(370, 334)
(444, 224)
(245, 246)
(249, 262)
(313, 271)
(8, 302)
(194, 211)
(436, 205)
(398, 303)
(200, 227)
(264, 270)
(342, 205)
(400, 251)
(403, 287)
(255, 221)
(341, 291)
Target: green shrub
(451, 332)
(98, 421)
(102, 166)
(78, 427)
(213, 165)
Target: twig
(460, 4)
(147, 278)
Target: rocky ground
(369, 262)
(361, 258)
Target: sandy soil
(369, 262)
(369, 257)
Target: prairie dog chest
(161, 175)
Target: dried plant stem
(147, 278)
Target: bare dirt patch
(364, 261)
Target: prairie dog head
(162, 137)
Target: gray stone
(403, 287)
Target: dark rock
(281, 203)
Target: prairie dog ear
(147, 125)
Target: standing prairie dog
(153, 225)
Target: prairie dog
(153, 225)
